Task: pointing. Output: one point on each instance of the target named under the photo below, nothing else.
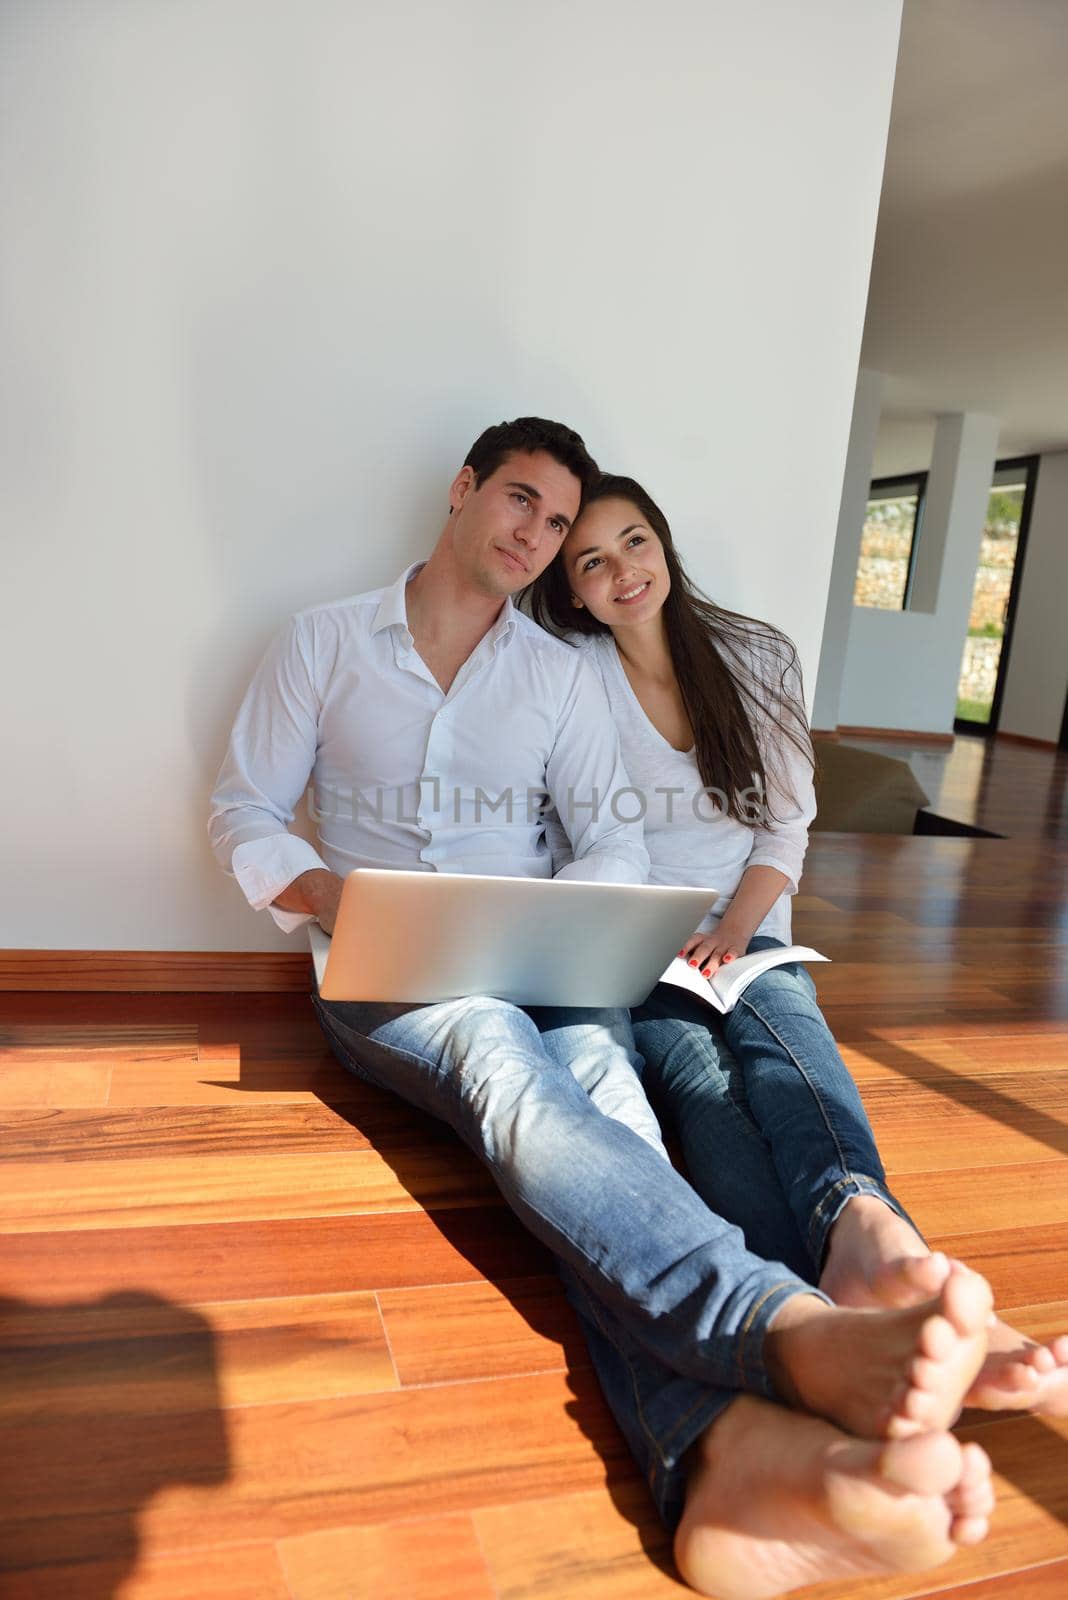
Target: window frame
(914, 482)
(1028, 466)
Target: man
(409, 707)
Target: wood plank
(280, 1470)
(232, 1572)
(1024, 1265)
(28, 1042)
(974, 1059)
(141, 1354)
(310, 1078)
(71, 1083)
(299, 1256)
(1048, 1582)
(435, 1558)
(1033, 1194)
(53, 1134)
(124, 970)
(594, 1545)
(141, 1193)
(959, 1124)
(455, 1331)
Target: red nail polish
(693, 963)
(706, 972)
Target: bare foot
(882, 1374)
(776, 1501)
(875, 1258)
(1021, 1375)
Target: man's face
(506, 532)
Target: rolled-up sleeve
(264, 774)
(790, 796)
(589, 789)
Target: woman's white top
(690, 839)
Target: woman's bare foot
(876, 1259)
(882, 1374)
(1021, 1375)
(776, 1501)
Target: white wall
(903, 667)
(267, 271)
(856, 487)
(1037, 681)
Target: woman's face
(615, 564)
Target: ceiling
(968, 306)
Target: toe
(966, 1299)
(969, 1530)
(931, 1463)
(975, 1470)
(937, 1338)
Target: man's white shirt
(406, 776)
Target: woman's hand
(709, 951)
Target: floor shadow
(102, 1404)
(977, 1094)
(1033, 1457)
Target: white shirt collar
(393, 610)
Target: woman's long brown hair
(732, 670)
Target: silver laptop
(425, 936)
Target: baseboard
(906, 735)
(828, 735)
(157, 971)
(1024, 738)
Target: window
(888, 543)
(994, 594)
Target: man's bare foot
(1022, 1375)
(875, 1258)
(882, 1374)
(776, 1501)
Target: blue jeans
(674, 1305)
(771, 1125)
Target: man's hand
(710, 951)
(317, 892)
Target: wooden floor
(270, 1334)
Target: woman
(711, 718)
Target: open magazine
(727, 985)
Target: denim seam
(747, 1328)
(857, 1181)
(592, 1306)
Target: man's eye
(557, 527)
(523, 501)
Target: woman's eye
(637, 538)
(589, 566)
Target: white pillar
(958, 489)
(856, 482)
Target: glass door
(997, 584)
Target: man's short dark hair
(504, 439)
